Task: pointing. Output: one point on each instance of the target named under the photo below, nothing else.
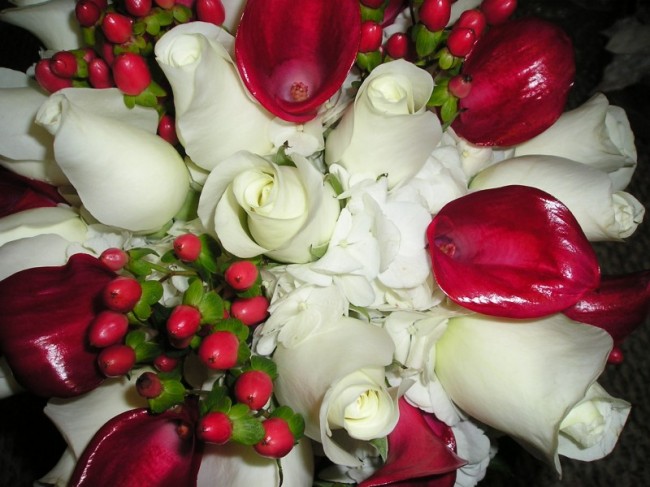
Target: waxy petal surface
(513, 252)
(18, 193)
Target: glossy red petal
(138, 449)
(521, 75)
(513, 252)
(18, 193)
(420, 452)
(293, 55)
(619, 305)
(44, 317)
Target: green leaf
(181, 13)
(243, 352)
(211, 307)
(147, 99)
(239, 411)
(216, 400)
(381, 445)
(295, 421)
(157, 90)
(439, 95)
(265, 365)
(140, 252)
(173, 393)
(189, 208)
(147, 351)
(369, 60)
(446, 59)
(142, 310)
(426, 41)
(152, 291)
(374, 14)
(194, 294)
(152, 25)
(449, 109)
(233, 325)
(247, 431)
(168, 257)
(209, 252)
(135, 338)
(139, 268)
(88, 35)
(165, 17)
(129, 101)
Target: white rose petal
(59, 220)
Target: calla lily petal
(44, 315)
(295, 56)
(528, 259)
(59, 220)
(18, 193)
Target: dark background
(29, 445)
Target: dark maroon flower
(514, 252)
(18, 193)
(421, 451)
(44, 317)
(293, 55)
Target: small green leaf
(194, 294)
(129, 101)
(181, 13)
(173, 393)
(247, 431)
(265, 365)
(189, 208)
(233, 325)
(239, 411)
(449, 109)
(295, 421)
(439, 95)
(374, 14)
(88, 35)
(152, 25)
(426, 41)
(135, 338)
(446, 59)
(147, 351)
(369, 60)
(168, 257)
(157, 90)
(216, 400)
(209, 252)
(381, 445)
(142, 310)
(152, 291)
(146, 99)
(211, 307)
(165, 17)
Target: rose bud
(131, 73)
(47, 79)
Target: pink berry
(64, 64)
(99, 74)
(87, 12)
(241, 275)
(49, 81)
(460, 86)
(397, 45)
(215, 427)
(219, 350)
(183, 322)
(498, 11)
(116, 360)
(278, 439)
(187, 247)
(461, 41)
(113, 258)
(250, 311)
(122, 293)
(108, 328)
(117, 27)
(131, 73)
(167, 129)
(472, 19)
(435, 14)
(211, 11)
(254, 388)
(373, 3)
(138, 8)
(165, 363)
(149, 385)
(371, 36)
(615, 356)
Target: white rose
(596, 133)
(256, 207)
(125, 176)
(215, 115)
(58, 220)
(522, 377)
(388, 129)
(49, 249)
(339, 398)
(602, 212)
(473, 446)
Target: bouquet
(307, 242)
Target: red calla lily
(138, 449)
(44, 317)
(293, 55)
(513, 252)
(521, 73)
(618, 306)
(18, 193)
(421, 452)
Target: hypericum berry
(116, 360)
(615, 356)
(250, 311)
(121, 294)
(131, 73)
(166, 4)
(99, 74)
(47, 79)
(435, 14)
(187, 247)
(461, 41)
(114, 258)
(108, 328)
(87, 12)
(215, 427)
(278, 439)
(64, 64)
(373, 3)
(138, 8)
(167, 129)
(165, 363)
(397, 45)
(218, 351)
(472, 19)
(241, 275)
(498, 11)
(117, 27)
(149, 385)
(460, 85)
(183, 322)
(211, 11)
(254, 388)
(371, 36)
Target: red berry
(460, 86)
(102, 4)
(166, 4)
(219, 350)
(64, 64)
(138, 8)
(87, 12)
(397, 45)
(498, 11)
(472, 19)
(211, 11)
(167, 129)
(615, 356)
(117, 27)
(131, 73)
(373, 3)
(250, 311)
(122, 293)
(47, 79)
(241, 275)
(114, 258)
(108, 328)
(254, 388)
(278, 439)
(99, 74)
(149, 385)
(165, 363)
(187, 247)
(461, 41)
(435, 14)
(371, 36)
(183, 322)
(116, 360)
(215, 427)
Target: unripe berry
(121, 294)
(87, 12)
(49, 81)
(371, 36)
(187, 247)
(183, 322)
(461, 41)
(435, 14)
(215, 427)
(149, 385)
(64, 64)
(472, 19)
(241, 275)
(211, 11)
(278, 440)
(99, 74)
(108, 328)
(460, 86)
(219, 350)
(138, 8)
(498, 11)
(131, 73)
(397, 45)
(165, 363)
(116, 360)
(254, 388)
(114, 258)
(167, 129)
(250, 311)
(117, 27)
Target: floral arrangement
(310, 242)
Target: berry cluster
(209, 328)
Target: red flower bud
(64, 64)
(99, 74)
(498, 11)
(211, 11)
(521, 75)
(47, 79)
(435, 14)
(117, 27)
(461, 40)
(371, 36)
(131, 73)
(87, 12)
